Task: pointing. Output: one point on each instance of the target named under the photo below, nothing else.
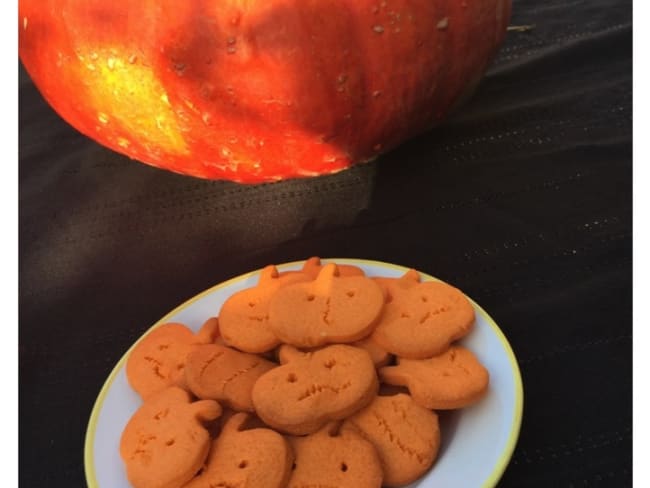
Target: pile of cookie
(317, 377)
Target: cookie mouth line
(156, 367)
(394, 439)
(207, 364)
(238, 373)
(258, 318)
(320, 388)
(401, 412)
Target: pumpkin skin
(257, 91)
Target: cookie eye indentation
(311, 298)
(161, 415)
(425, 299)
(170, 442)
(350, 293)
(293, 467)
(243, 464)
(344, 467)
(251, 304)
(292, 378)
(329, 364)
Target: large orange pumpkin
(252, 90)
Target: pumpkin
(257, 91)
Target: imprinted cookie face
(325, 459)
(328, 310)
(217, 372)
(309, 389)
(406, 436)
(422, 320)
(158, 360)
(165, 443)
(255, 458)
(454, 379)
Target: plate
(477, 442)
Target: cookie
(158, 360)
(451, 380)
(243, 318)
(165, 443)
(423, 319)
(405, 435)
(310, 389)
(329, 309)
(253, 458)
(217, 372)
(330, 459)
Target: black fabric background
(523, 200)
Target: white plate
(477, 442)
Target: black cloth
(523, 200)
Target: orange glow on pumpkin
(119, 85)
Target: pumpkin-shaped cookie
(310, 389)
(329, 309)
(158, 360)
(217, 372)
(423, 319)
(254, 458)
(329, 459)
(453, 379)
(406, 436)
(165, 443)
